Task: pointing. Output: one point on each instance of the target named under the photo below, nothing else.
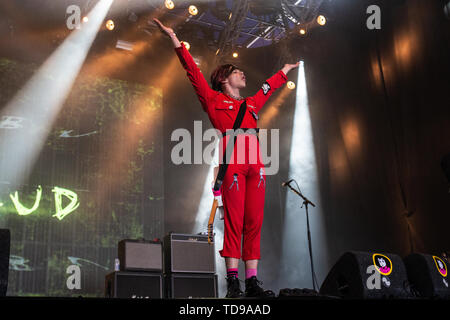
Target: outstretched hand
(166, 30)
(288, 67)
(292, 66)
(169, 32)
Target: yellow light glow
(290, 85)
(110, 25)
(302, 31)
(193, 10)
(85, 19)
(169, 4)
(186, 44)
(321, 20)
(235, 55)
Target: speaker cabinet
(140, 255)
(184, 285)
(428, 275)
(138, 285)
(186, 253)
(364, 275)
(5, 238)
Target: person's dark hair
(220, 74)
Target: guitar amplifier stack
(140, 273)
(190, 268)
(182, 267)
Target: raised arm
(271, 84)
(169, 32)
(194, 74)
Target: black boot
(233, 288)
(252, 289)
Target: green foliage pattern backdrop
(104, 152)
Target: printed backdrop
(98, 179)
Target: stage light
(110, 25)
(133, 17)
(169, 4)
(217, 51)
(290, 85)
(321, 20)
(302, 31)
(235, 55)
(193, 10)
(186, 44)
(85, 19)
(125, 45)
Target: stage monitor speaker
(140, 255)
(194, 285)
(428, 275)
(189, 253)
(138, 285)
(364, 275)
(5, 238)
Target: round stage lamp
(193, 10)
(321, 20)
(302, 31)
(169, 4)
(235, 55)
(290, 85)
(110, 25)
(85, 19)
(186, 44)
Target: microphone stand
(306, 202)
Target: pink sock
(232, 272)
(250, 273)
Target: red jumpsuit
(243, 188)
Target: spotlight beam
(295, 261)
(203, 211)
(41, 99)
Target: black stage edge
(274, 308)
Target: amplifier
(189, 253)
(139, 285)
(191, 285)
(140, 255)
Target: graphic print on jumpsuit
(243, 187)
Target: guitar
(217, 202)
(211, 221)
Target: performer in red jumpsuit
(243, 187)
